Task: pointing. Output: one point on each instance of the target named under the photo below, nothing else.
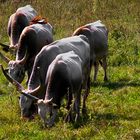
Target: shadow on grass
(116, 85)
(110, 116)
(83, 120)
(103, 120)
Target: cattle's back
(42, 28)
(65, 70)
(100, 41)
(48, 54)
(27, 10)
(79, 44)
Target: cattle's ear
(48, 102)
(39, 101)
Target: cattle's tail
(79, 30)
(38, 19)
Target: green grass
(113, 107)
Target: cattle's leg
(104, 65)
(96, 67)
(50, 123)
(69, 102)
(77, 99)
(85, 96)
(69, 98)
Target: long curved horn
(31, 93)
(30, 96)
(23, 60)
(35, 91)
(5, 47)
(13, 47)
(48, 101)
(6, 59)
(14, 82)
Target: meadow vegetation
(113, 107)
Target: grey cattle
(65, 76)
(97, 34)
(18, 21)
(78, 44)
(31, 41)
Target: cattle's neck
(56, 89)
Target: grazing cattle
(31, 40)
(97, 34)
(36, 85)
(64, 76)
(18, 21)
(79, 44)
(20, 88)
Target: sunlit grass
(113, 107)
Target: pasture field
(113, 107)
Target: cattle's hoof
(68, 118)
(105, 79)
(49, 124)
(31, 117)
(77, 117)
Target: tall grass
(113, 107)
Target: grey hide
(64, 78)
(31, 41)
(97, 34)
(18, 21)
(78, 44)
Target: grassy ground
(113, 107)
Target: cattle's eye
(10, 65)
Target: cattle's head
(47, 108)
(44, 108)
(27, 98)
(16, 70)
(26, 106)
(26, 102)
